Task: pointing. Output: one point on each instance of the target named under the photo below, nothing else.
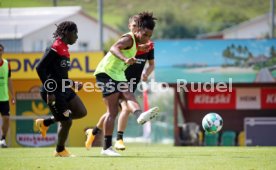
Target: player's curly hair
(133, 18)
(146, 20)
(63, 28)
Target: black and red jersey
(55, 63)
(135, 70)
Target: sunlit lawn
(159, 157)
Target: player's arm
(148, 70)
(125, 42)
(44, 64)
(151, 65)
(42, 68)
(10, 85)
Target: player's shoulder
(60, 47)
(5, 60)
(128, 35)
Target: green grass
(159, 157)
(23, 3)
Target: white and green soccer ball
(212, 123)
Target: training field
(144, 157)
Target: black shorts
(5, 108)
(133, 84)
(109, 86)
(61, 103)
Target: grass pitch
(144, 157)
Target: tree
(168, 27)
(226, 54)
(221, 18)
(272, 52)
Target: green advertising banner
(29, 106)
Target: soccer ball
(212, 123)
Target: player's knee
(126, 111)
(79, 112)
(83, 112)
(129, 96)
(6, 118)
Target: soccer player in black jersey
(134, 73)
(63, 102)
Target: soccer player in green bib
(5, 87)
(111, 79)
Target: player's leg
(135, 108)
(62, 113)
(5, 112)
(76, 110)
(123, 117)
(5, 128)
(75, 105)
(111, 102)
(131, 101)
(122, 123)
(91, 133)
(43, 124)
(111, 93)
(63, 132)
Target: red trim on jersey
(1, 63)
(61, 48)
(143, 52)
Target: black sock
(60, 148)
(137, 113)
(120, 135)
(95, 131)
(107, 142)
(3, 137)
(47, 122)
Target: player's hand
(51, 99)
(78, 85)
(144, 77)
(13, 100)
(130, 61)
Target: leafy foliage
(240, 56)
(177, 19)
(224, 18)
